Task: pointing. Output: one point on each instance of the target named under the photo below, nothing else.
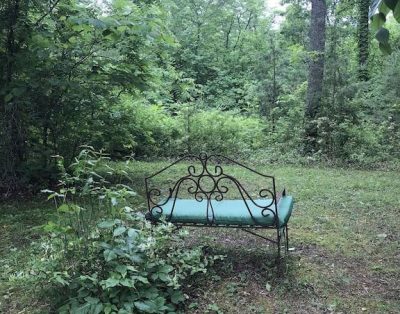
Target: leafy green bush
(132, 267)
(142, 130)
(107, 257)
(344, 135)
(136, 128)
(221, 132)
(284, 130)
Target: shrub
(222, 132)
(142, 130)
(105, 255)
(136, 128)
(132, 267)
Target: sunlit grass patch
(344, 232)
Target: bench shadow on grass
(249, 277)
(312, 279)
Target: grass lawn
(344, 232)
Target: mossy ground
(344, 235)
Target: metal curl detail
(156, 210)
(203, 156)
(267, 212)
(207, 184)
(192, 170)
(218, 171)
(219, 196)
(191, 189)
(154, 192)
(223, 189)
(199, 197)
(267, 194)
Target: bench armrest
(279, 195)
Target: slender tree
(315, 72)
(363, 39)
(13, 149)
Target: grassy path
(345, 232)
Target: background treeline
(155, 78)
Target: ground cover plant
(344, 232)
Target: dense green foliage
(150, 131)
(104, 256)
(155, 79)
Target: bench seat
(207, 194)
(226, 212)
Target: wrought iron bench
(203, 197)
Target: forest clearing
(344, 235)
(124, 125)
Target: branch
(52, 7)
(82, 59)
(240, 28)
(228, 33)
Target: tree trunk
(363, 39)
(274, 84)
(315, 73)
(14, 144)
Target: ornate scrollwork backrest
(209, 183)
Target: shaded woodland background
(155, 79)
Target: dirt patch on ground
(356, 276)
(314, 279)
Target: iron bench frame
(216, 193)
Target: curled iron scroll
(199, 175)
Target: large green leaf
(383, 8)
(132, 233)
(385, 48)
(382, 35)
(141, 279)
(109, 255)
(122, 269)
(8, 97)
(85, 308)
(177, 297)
(64, 208)
(377, 21)
(146, 307)
(106, 224)
(110, 282)
(92, 300)
(396, 12)
(118, 231)
(165, 269)
(127, 282)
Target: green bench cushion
(226, 212)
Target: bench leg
(279, 242)
(283, 235)
(287, 238)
